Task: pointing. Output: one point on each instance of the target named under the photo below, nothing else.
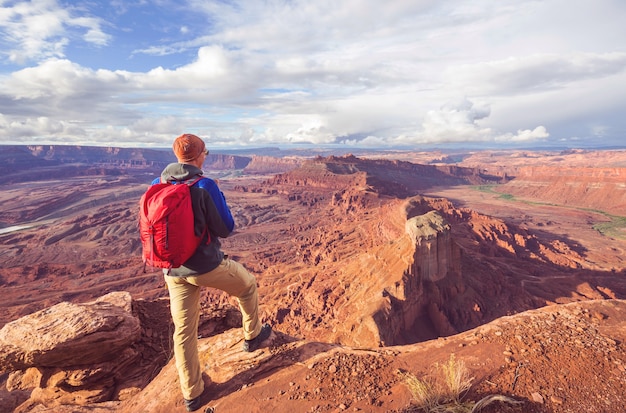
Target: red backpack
(166, 225)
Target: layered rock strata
(72, 353)
(409, 306)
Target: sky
(349, 73)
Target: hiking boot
(255, 343)
(196, 406)
(193, 404)
(196, 403)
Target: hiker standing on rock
(207, 267)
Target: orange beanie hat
(188, 147)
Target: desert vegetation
(443, 390)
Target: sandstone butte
(368, 268)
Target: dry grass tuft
(423, 391)
(443, 391)
(456, 378)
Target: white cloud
(58, 79)
(455, 122)
(539, 72)
(524, 135)
(39, 29)
(13, 130)
(355, 72)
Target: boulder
(70, 334)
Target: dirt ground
(557, 359)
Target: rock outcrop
(413, 304)
(73, 353)
(393, 178)
(225, 162)
(105, 350)
(436, 254)
(271, 165)
(69, 334)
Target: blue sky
(251, 73)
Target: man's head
(188, 148)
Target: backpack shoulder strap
(192, 182)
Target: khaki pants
(230, 277)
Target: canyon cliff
(359, 262)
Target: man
(208, 267)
